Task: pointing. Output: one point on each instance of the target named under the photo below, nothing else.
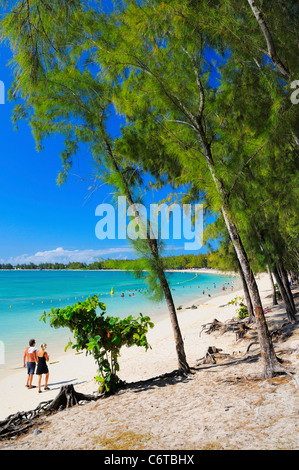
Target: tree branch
(199, 85)
(272, 54)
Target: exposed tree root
(243, 331)
(235, 326)
(68, 397)
(211, 356)
(19, 423)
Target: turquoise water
(25, 295)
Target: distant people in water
(30, 359)
(42, 367)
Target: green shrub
(100, 335)
(241, 311)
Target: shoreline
(202, 270)
(79, 369)
(59, 338)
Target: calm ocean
(25, 295)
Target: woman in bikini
(42, 367)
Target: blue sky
(36, 214)
(39, 220)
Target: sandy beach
(219, 406)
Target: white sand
(222, 406)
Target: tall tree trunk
(274, 296)
(289, 309)
(285, 280)
(179, 343)
(294, 276)
(251, 318)
(268, 256)
(152, 244)
(271, 364)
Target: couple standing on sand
(33, 357)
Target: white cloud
(60, 255)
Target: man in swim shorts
(30, 357)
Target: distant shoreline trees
(170, 262)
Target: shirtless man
(30, 357)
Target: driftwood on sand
(211, 354)
(19, 423)
(233, 325)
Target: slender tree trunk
(152, 244)
(274, 296)
(251, 318)
(271, 364)
(179, 344)
(289, 309)
(285, 280)
(282, 285)
(294, 277)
